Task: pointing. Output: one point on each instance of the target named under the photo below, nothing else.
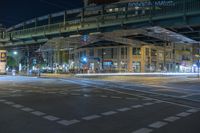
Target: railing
(108, 15)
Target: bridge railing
(111, 15)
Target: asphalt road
(42, 105)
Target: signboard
(149, 3)
(3, 58)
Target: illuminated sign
(149, 3)
(3, 57)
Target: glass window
(147, 51)
(136, 51)
(108, 53)
(99, 52)
(153, 52)
(91, 52)
(124, 53)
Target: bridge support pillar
(119, 58)
(143, 58)
(130, 59)
(3, 61)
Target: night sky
(15, 11)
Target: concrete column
(88, 56)
(119, 58)
(96, 65)
(143, 59)
(130, 59)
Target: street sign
(3, 57)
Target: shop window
(136, 51)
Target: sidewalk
(54, 75)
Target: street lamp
(15, 52)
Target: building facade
(144, 58)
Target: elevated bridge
(179, 16)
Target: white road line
(130, 98)
(17, 105)
(137, 106)
(140, 96)
(86, 95)
(115, 97)
(51, 118)
(75, 94)
(2, 100)
(9, 103)
(67, 123)
(91, 117)
(158, 124)
(158, 101)
(149, 103)
(123, 109)
(104, 96)
(192, 110)
(143, 130)
(183, 114)
(109, 113)
(27, 109)
(171, 119)
(38, 113)
(148, 99)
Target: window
(136, 51)
(153, 52)
(91, 52)
(124, 53)
(147, 51)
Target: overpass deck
(105, 18)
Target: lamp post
(15, 53)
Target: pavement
(73, 105)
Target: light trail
(138, 74)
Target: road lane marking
(171, 119)
(158, 124)
(115, 97)
(149, 103)
(67, 123)
(183, 114)
(192, 110)
(2, 100)
(9, 103)
(51, 118)
(104, 96)
(137, 106)
(86, 95)
(158, 101)
(109, 113)
(148, 99)
(141, 96)
(17, 105)
(91, 117)
(143, 130)
(123, 109)
(27, 109)
(75, 94)
(38, 113)
(131, 98)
